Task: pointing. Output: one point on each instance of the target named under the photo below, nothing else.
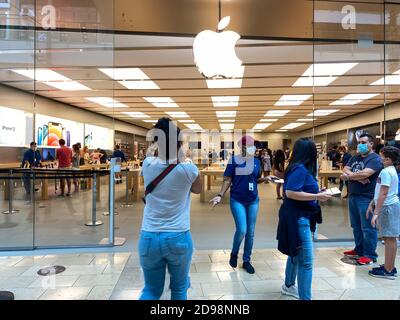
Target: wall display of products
(98, 137)
(226, 145)
(355, 133)
(49, 131)
(15, 127)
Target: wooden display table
(325, 174)
(205, 176)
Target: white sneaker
(290, 291)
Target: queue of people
(165, 240)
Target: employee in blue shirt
(118, 153)
(242, 174)
(31, 159)
(298, 216)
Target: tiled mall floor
(104, 276)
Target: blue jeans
(301, 266)
(161, 250)
(245, 220)
(365, 236)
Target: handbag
(150, 187)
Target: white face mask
(251, 150)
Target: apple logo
(214, 52)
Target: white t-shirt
(167, 207)
(388, 177)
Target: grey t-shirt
(167, 207)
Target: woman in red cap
(242, 174)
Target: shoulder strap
(150, 187)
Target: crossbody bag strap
(150, 187)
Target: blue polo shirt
(119, 154)
(244, 173)
(33, 157)
(299, 179)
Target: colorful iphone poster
(49, 131)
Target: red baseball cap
(246, 141)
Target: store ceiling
(271, 69)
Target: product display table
(325, 174)
(205, 176)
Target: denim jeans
(301, 266)
(365, 236)
(245, 220)
(161, 250)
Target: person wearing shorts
(385, 208)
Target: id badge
(251, 186)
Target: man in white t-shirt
(385, 208)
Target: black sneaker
(248, 267)
(382, 273)
(394, 271)
(233, 260)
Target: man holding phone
(362, 172)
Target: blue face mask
(391, 143)
(362, 148)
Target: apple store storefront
(100, 73)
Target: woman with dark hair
(278, 170)
(297, 218)
(242, 175)
(165, 239)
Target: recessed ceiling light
(323, 74)
(268, 120)
(161, 102)
(227, 126)
(261, 126)
(281, 130)
(41, 74)
(225, 101)
(225, 114)
(107, 102)
(353, 98)
(186, 121)
(150, 121)
(137, 79)
(226, 120)
(292, 100)
(139, 85)
(322, 112)
(52, 78)
(392, 79)
(306, 119)
(257, 130)
(177, 114)
(136, 114)
(227, 83)
(194, 126)
(293, 125)
(276, 113)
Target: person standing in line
(385, 210)
(76, 161)
(31, 159)
(165, 239)
(287, 153)
(96, 156)
(118, 153)
(362, 172)
(86, 155)
(266, 163)
(64, 158)
(278, 171)
(345, 156)
(242, 175)
(298, 216)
